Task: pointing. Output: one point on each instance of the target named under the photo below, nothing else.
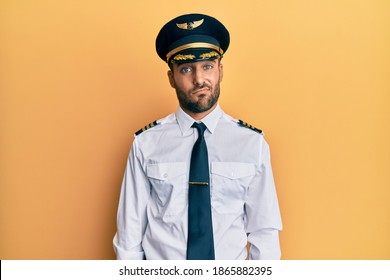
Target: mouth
(201, 91)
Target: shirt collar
(211, 120)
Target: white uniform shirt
(152, 216)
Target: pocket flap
(233, 170)
(164, 171)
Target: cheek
(183, 83)
(216, 78)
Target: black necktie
(200, 244)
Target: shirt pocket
(230, 182)
(169, 190)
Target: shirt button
(165, 175)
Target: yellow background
(78, 78)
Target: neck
(199, 116)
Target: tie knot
(201, 127)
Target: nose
(198, 77)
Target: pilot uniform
(152, 220)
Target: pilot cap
(191, 38)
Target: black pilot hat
(192, 37)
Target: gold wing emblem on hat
(190, 25)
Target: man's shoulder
(153, 126)
(146, 127)
(242, 125)
(249, 126)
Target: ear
(171, 79)
(220, 72)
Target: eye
(185, 70)
(208, 67)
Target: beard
(204, 102)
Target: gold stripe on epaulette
(146, 127)
(247, 125)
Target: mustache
(202, 86)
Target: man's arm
(131, 216)
(263, 221)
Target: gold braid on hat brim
(192, 46)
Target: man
(198, 183)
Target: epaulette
(247, 125)
(146, 127)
